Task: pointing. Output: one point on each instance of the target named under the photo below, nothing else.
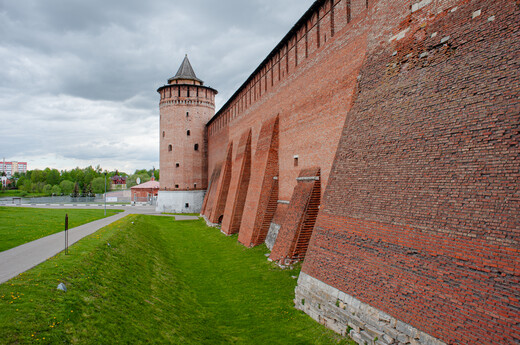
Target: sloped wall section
(222, 189)
(263, 190)
(296, 230)
(239, 185)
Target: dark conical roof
(185, 71)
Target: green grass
(19, 225)
(19, 193)
(159, 282)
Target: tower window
(170, 148)
(187, 114)
(176, 186)
(188, 132)
(295, 160)
(187, 205)
(177, 165)
(188, 93)
(194, 185)
(196, 147)
(163, 134)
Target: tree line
(76, 182)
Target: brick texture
(310, 94)
(238, 188)
(411, 110)
(420, 218)
(222, 188)
(209, 199)
(183, 108)
(296, 229)
(262, 194)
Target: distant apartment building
(12, 167)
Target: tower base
(180, 201)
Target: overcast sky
(78, 78)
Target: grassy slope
(22, 225)
(158, 282)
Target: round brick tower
(186, 106)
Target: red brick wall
(142, 194)
(222, 188)
(238, 187)
(298, 221)
(262, 194)
(209, 199)
(192, 172)
(421, 215)
(311, 96)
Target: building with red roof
(145, 192)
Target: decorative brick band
(345, 314)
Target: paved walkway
(19, 259)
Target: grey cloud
(79, 76)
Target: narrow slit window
(196, 147)
(187, 114)
(170, 148)
(163, 133)
(177, 165)
(295, 161)
(188, 132)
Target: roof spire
(185, 71)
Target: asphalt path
(19, 259)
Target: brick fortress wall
(307, 85)
(416, 239)
(419, 227)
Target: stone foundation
(180, 201)
(272, 235)
(347, 315)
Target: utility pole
(66, 234)
(105, 193)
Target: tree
(66, 187)
(38, 187)
(27, 186)
(47, 189)
(65, 175)
(20, 182)
(52, 177)
(87, 191)
(37, 176)
(132, 180)
(98, 185)
(76, 190)
(89, 174)
(56, 190)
